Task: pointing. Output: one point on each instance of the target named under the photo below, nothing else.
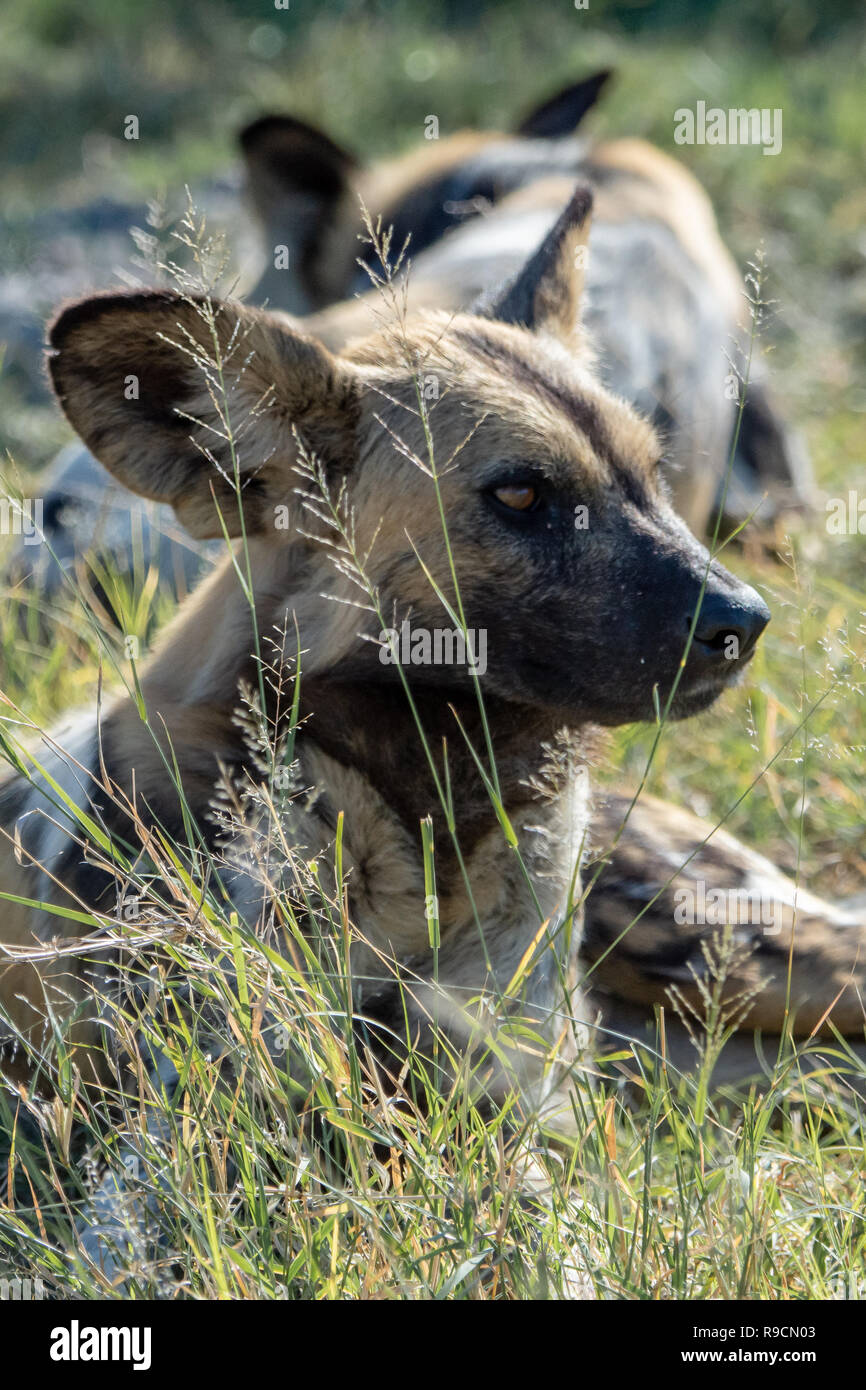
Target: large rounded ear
(192, 401)
(545, 294)
(561, 114)
(297, 177)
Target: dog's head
(306, 189)
(490, 427)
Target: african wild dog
(583, 625)
(664, 300)
(664, 303)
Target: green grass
(305, 1177)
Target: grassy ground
(358, 1196)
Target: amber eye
(518, 497)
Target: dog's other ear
(185, 399)
(545, 294)
(297, 178)
(561, 114)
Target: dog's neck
(360, 723)
(372, 728)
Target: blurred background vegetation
(370, 72)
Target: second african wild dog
(583, 625)
(664, 302)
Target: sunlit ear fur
(180, 398)
(545, 295)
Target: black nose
(727, 628)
